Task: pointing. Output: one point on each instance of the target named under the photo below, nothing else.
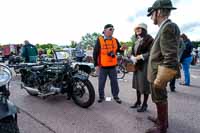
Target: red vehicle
(10, 48)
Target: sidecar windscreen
(61, 55)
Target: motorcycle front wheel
(83, 93)
(9, 125)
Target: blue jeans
(186, 66)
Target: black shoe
(101, 100)
(173, 90)
(143, 108)
(117, 99)
(135, 105)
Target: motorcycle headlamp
(5, 75)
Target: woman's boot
(138, 102)
(144, 105)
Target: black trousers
(172, 84)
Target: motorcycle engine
(29, 78)
(49, 87)
(54, 89)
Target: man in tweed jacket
(163, 61)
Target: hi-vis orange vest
(107, 46)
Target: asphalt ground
(58, 115)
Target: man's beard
(155, 21)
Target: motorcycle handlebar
(23, 65)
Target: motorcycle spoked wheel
(83, 93)
(120, 72)
(9, 125)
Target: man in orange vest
(105, 60)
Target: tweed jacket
(164, 50)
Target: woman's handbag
(130, 67)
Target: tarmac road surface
(58, 115)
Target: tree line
(89, 40)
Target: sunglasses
(111, 29)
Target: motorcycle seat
(37, 68)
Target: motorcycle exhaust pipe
(31, 90)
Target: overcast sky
(60, 21)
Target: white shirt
(163, 22)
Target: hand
(139, 57)
(97, 69)
(159, 84)
(164, 75)
(123, 47)
(133, 59)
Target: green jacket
(164, 51)
(29, 53)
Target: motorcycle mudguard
(85, 68)
(7, 109)
(80, 76)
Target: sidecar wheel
(9, 125)
(81, 90)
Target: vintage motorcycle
(57, 77)
(8, 111)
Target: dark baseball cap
(108, 26)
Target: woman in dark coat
(140, 55)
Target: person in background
(196, 56)
(105, 60)
(80, 53)
(163, 61)
(29, 52)
(89, 54)
(40, 53)
(181, 48)
(50, 53)
(186, 59)
(140, 56)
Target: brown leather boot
(162, 118)
(155, 120)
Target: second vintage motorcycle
(8, 111)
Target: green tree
(196, 43)
(73, 44)
(89, 39)
(48, 45)
(38, 46)
(129, 44)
